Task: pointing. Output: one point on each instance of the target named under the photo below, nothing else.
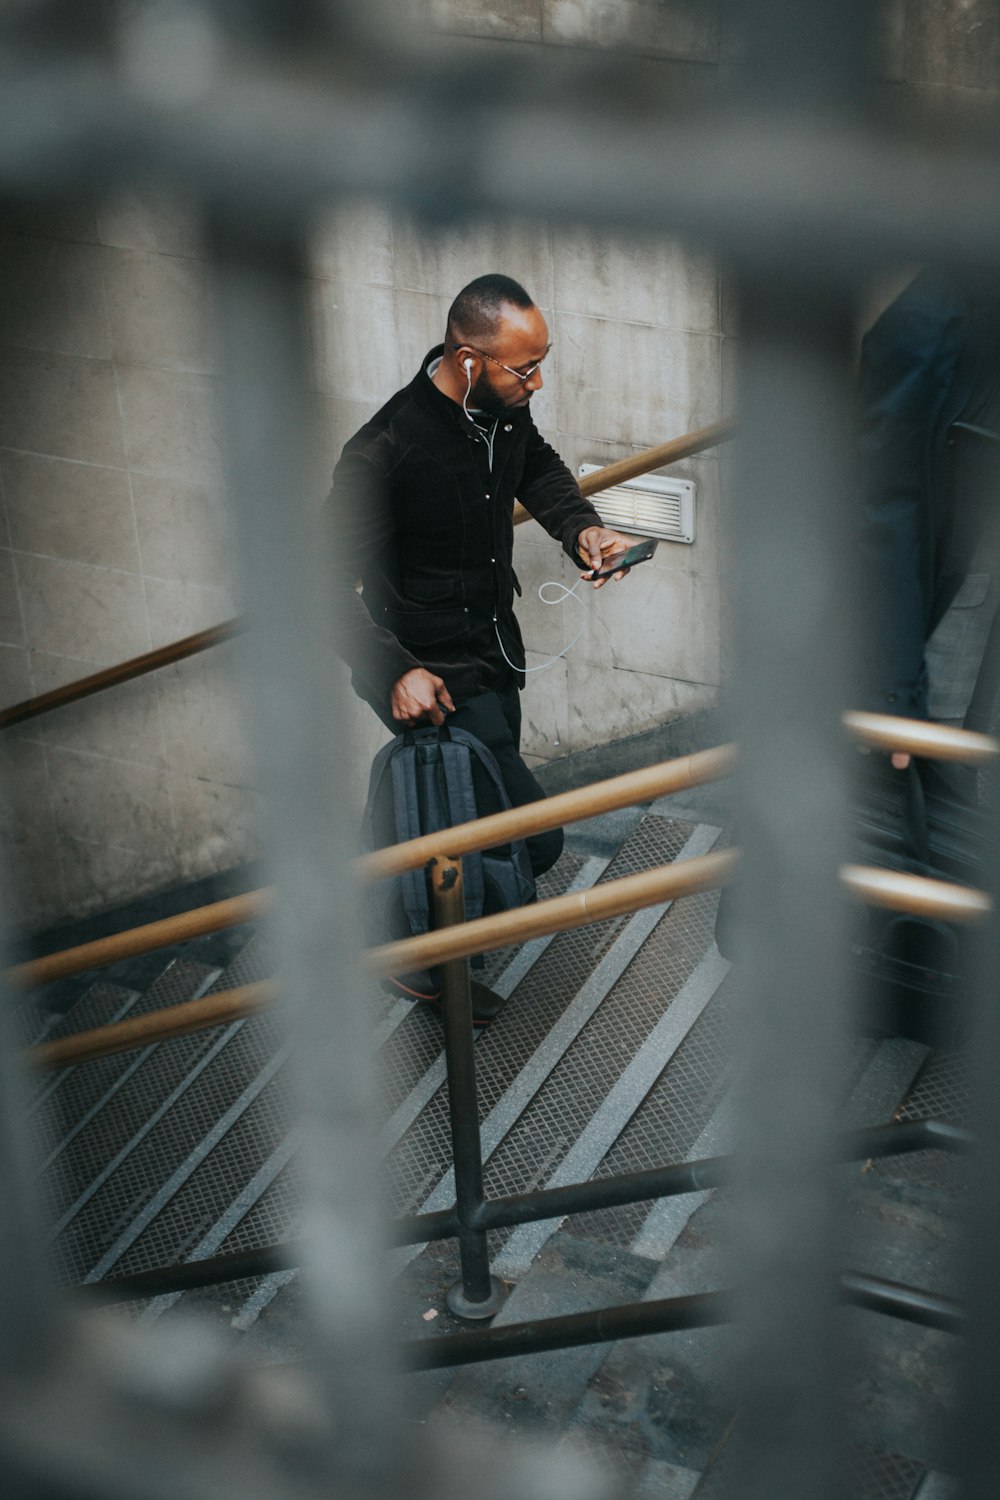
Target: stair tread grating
(582, 1080)
(941, 1091)
(418, 1042)
(143, 1172)
(423, 1156)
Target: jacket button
(487, 494)
(508, 427)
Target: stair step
(542, 1390)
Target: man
(930, 361)
(421, 513)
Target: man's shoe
(486, 1004)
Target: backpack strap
(457, 764)
(406, 802)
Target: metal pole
(479, 1294)
(297, 740)
(790, 686)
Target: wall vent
(649, 506)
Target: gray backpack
(423, 781)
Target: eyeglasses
(522, 375)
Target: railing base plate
(474, 1312)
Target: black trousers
(495, 718)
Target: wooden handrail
(918, 737)
(917, 895)
(612, 898)
(681, 774)
(651, 458)
(881, 731)
(125, 671)
(164, 656)
(559, 913)
(156, 1026)
(537, 817)
(885, 888)
(137, 940)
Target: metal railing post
(478, 1294)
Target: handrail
(919, 737)
(881, 731)
(916, 895)
(559, 913)
(164, 656)
(688, 877)
(585, 802)
(659, 457)
(156, 1026)
(124, 671)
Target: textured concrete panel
(29, 831)
(160, 311)
(217, 825)
(609, 703)
(123, 722)
(15, 675)
(177, 608)
(954, 42)
(445, 260)
(601, 275)
(422, 317)
(545, 709)
(203, 719)
(52, 296)
(170, 419)
(634, 384)
(182, 527)
(156, 222)
(99, 875)
(685, 641)
(60, 405)
(73, 609)
(11, 617)
(78, 512)
(356, 341)
(516, 19)
(891, 39)
(670, 28)
(355, 244)
(130, 807)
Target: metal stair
(612, 1054)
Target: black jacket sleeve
(549, 491)
(358, 533)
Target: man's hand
(418, 695)
(597, 543)
(900, 760)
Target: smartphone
(641, 552)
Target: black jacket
(418, 517)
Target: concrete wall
(112, 521)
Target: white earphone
(468, 364)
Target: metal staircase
(612, 1054)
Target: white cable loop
(563, 594)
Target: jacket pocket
(422, 628)
(437, 592)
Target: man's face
(520, 342)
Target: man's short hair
(474, 316)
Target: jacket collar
(426, 393)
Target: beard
(484, 398)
